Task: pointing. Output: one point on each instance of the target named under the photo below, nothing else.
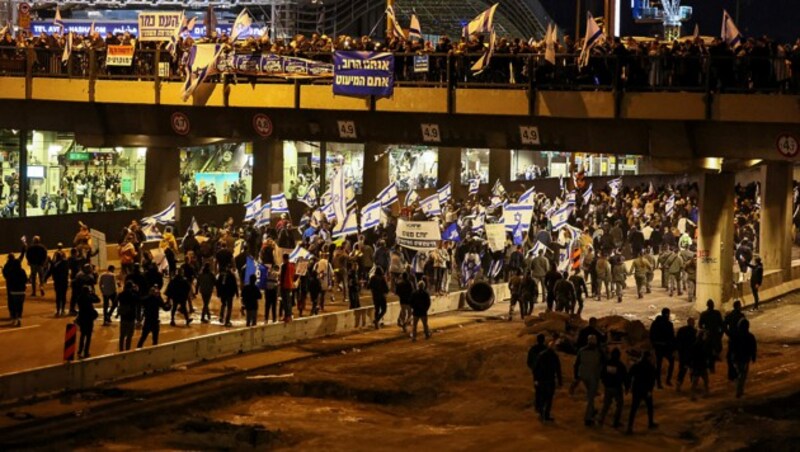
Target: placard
(529, 135)
(421, 63)
(418, 235)
(119, 55)
(363, 74)
(99, 240)
(496, 236)
(158, 25)
(430, 133)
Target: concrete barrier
(90, 372)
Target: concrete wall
(87, 373)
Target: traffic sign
(262, 125)
(787, 145)
(180, 123)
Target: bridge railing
(699, 73)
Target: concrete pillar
(449, 170)
(162, 182)
(267, 167)
(775, 242)
(500, 167)
(376, 173)
(715, 240)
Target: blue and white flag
(370, 215)
(67, 49)
(350, 194)
(339, 195)
(253, 268)
(730, 33)
(241, 25)
(587, 195)
(536, 248)
(482, 23)
(414, 29)
(615, 185)
(299, 253)
(451, 233)
(166, 216)
(571, 198)
(150, 231)
(411, 197)
(496, 268)
(201, 63)
(397, 29)
(474, 185)
(517, 234)
(445, 193)
(564, 258)
(310, 198)
(469, 270)
(594, 36)
(498, 189)
(388, 195)
(194, 227)
(327, 209)
(264, 215)
(279, 203)
(496, 202)
(478, 223)
(252, 208)
(430, 205)
(562, 185)
(57, 20)
(326, 197)
(669, 206)
(559, 218)
(514, 214)
(528, 197)
(349, 226)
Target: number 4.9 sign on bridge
(529, 135)
(347, 129)
(430, 133)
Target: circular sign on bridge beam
(24, 8)
(262, 125)
(787, 145)
(180, 123)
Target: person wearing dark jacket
(744, 348)
(128, 301)
(59, 271)
(546, 374)
(404, 290)
(227, 290)
(712, 322)
(379, 289)
(16, 280)
(151, 305)
(684, 340)
(251, 295)
(178, 292)
(420, 304)
(205, 287)
(662, 337)
(551, 279)
(36, 255)
(730, 327)
(87, 314)
(641, 381)
(756, 279)
(85, 277)
(614, 377)
(699, 362)
(533, 356)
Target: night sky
(779, 19)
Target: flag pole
(389, 21)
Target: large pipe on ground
(480, 296)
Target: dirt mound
(566, 327)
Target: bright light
(54, 149)
(141, 152)
(118, 149)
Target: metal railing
(454, 70)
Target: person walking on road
(205, 287)
(178, 292)
(684, 340)
(251, 295)
(108, 289)
(640, 267)
(16, 280)
(227, 290)
(699, 363)
(711, 321)
(614, 378)
(36, 255)
(128, 301)
(662, 337)
(420, 304)
(152, 304)
(404, 291)
(730, 327)
(87, 314)
(641, 382)
(546, 375)
(533, 356)
(588, 368)
(379, 289)
(744, 352)
(756, 279)
(287, 283)
(59, 271)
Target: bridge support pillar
(775, 243)
(500, 168)
(376, 173)
(162, 181)
(267, 167)
(449, 170)
(715, 240)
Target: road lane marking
(13, 329)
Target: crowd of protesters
(633, 63)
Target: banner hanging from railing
(119, 55)
(363, 74)
(158, 25)
(271, 65)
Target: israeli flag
(478, 223)
(730, 33)
(57, 21)
(669, 206)
(445, 193)
(194, 227)
(496, 268)
(339, 194)
(350, 194)
(252, 208)
(326, 197)
(327, 210)
(576, 232)
(414, 30)
(536, 248)
(559, 218)
(430, 205)
(514, 214)
(469, 270)
(151, 232)
(310, 198)
(388, 195)
(474, 185)
(496, 202)
(563, 259)
(316, 219)
(349, 226)
(299, 253)
(451, 233)
(615, 185)
(411, 197)
(166, 216)
(571, 198)
(279, 203)
(594, 35)
(264, 215)
(370, 215)
(241, 25)
(201, 63)
(482, 23)
(498, 189)
(587, 195)
(528, 197)
(517, 235)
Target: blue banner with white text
(363, 74)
